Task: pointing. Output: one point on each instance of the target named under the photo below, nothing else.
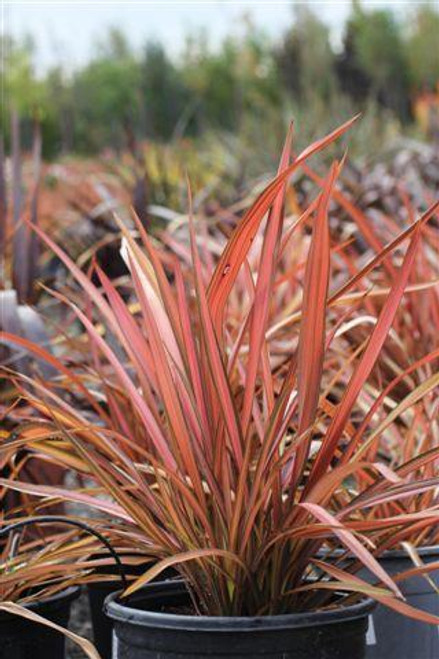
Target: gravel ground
(80, 624)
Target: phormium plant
(215, 463)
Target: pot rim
(58, 599)
(429, 550)
(119, 612)
(68, 594)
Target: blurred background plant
(384, 66)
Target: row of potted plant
(244, 448)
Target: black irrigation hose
(48, 519)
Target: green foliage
(104, 95)
(306, 58)
(58, 127)
(165, 97)
(22, 89)
(379, 51)
(422, 51)
(379, 45)
(227, 85)
(235, 87)
(25, 93)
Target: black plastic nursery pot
(101, 625)
(23, 639)
(98, 591)
(146, 628)
(393, 636)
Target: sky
(67, 32)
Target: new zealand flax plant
(393, 398)
(208, 459)
(399, 405)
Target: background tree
(24, 93)
(378, 50)
(105, 95)
(305, 57)
(165, 97)
(241, 86)
(423, 48)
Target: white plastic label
(371, 638)
(114, 646)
